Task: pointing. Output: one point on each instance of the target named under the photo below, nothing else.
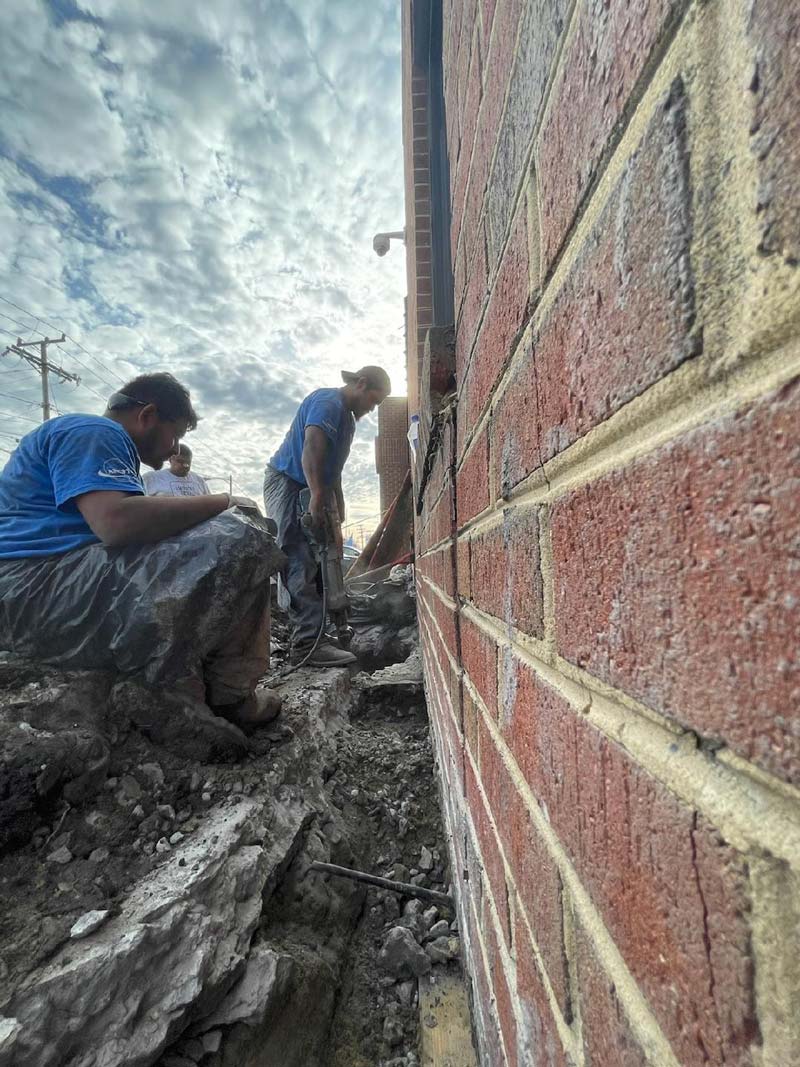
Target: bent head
(365, 389)
(181, 462)
(157, 411)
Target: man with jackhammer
(312, 456)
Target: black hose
(296, 667)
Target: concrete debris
(401, 956)
(426, 859)
(61, 856)
(443, 949)
(265, 980)
(87, 924)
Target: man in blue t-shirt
(312, 456)
(95, 574)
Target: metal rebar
(403, 888)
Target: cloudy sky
(193, 185)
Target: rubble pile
(157, 903)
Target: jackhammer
(325, 544)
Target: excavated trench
(210, 939)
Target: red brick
(505, 572)
(472, 481)
(479, 659)
(774, 28)
(490, 856)
(468, 124)
(471, 715)
(502, 995)
(463, 567)
(487, 13)
(472, 307)
(538, 1042)
(672, 893)
(677, 580)
(623, 319)
(506, 317)
(542, 26)
(488, 1029)
(535, 874)
(607, 1036)
(602, 63)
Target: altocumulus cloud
(194, 186)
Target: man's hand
(244, 502)
(316, 507)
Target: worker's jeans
(299, 576)
(189, 613)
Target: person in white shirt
(178, 480)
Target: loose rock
(87, 924)
(401, 956)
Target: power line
(16, 415)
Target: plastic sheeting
(153, 609)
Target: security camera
(382, 241)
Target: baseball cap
(376, 376)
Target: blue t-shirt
(324, 408)
(61, 459)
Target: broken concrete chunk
(212, 1040)
(392, 1031)
(87, 924)
(443, 949)
(264, 981)
(401, 956)
(439, 929)
(430, 915)
(61, 855)
(405, 993)
(426, 859)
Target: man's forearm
(314, 469)
(138, 520)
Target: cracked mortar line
(752, 815)
(631, 999)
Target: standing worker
(178, 479)
(312, 456)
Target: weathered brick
(542, 26)
(672, 893)
(463, 566)
(677, 579)
(506, 317)
(467, 138)
(502, 995)
(535, 874)
(472, 481)
(490, 856)
(774, 28)
(472, 307)
(624, 317)
(538, 1042)
(479, 658)
(471, 714)
(601, 65)
(505, 572)
(607, 1036)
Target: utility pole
(43, 366)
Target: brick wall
(392, 454)
(608, 560)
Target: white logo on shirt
(116, 468)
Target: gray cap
(376, 376)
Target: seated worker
(178, 480)
(95, 574)
(313, 455)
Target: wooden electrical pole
(43, 365)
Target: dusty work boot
(325, 654)
(257, 710)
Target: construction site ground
(157, 904)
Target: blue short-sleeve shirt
(324, 408)
(57, 462)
